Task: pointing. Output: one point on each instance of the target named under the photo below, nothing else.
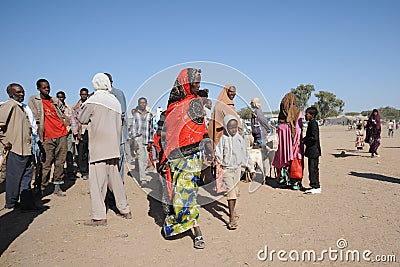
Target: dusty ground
(359, 203)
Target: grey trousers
(103, 175)
(143, 158)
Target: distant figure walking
(390, 128)
(373, 136)
(143, 132)
(359, 137)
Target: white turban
(101, 82)
(102, 96)
(256, 102)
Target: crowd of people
(48, 137)
(188, 144)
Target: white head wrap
(101, 82)
(228, 118)
(256, 102)
(102, 96)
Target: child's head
(311, 113)
(232, 127)
(231, 124)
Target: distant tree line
(245, 113)
(327, 103)
(386, 113)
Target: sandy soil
(359, 203)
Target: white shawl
(102, 95)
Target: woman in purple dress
(374, 133)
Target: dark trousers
(56, 152)
(70, 154)
(18, 181)
(313, 172)
(83, 153)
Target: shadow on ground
(374, 176)
(68, 183)
(2, 187)
(13, 224)
(214, 207)
(344, 155)
(157, 210)
(273, 182)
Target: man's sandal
(199, 242)
(233, 225)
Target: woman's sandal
(199, 242)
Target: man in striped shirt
(143, 132)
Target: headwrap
(223, 96)
(228, 118)
(374, 121)
(256, 102)
(289, 112)
(184, 121)
(102, 87)
(223, 107)
(182, 84)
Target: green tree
(352, 113)
(386, 113)
(245, 113)
(328, 105)
(389, 113)
(303, 94)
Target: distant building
(344, 120)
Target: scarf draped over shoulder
(374, 122)
(185, 124)
(223, 107)
(289, 112)
(102, 96)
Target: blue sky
(348, 47)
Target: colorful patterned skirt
(185, 179)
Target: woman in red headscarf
(185, 144)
